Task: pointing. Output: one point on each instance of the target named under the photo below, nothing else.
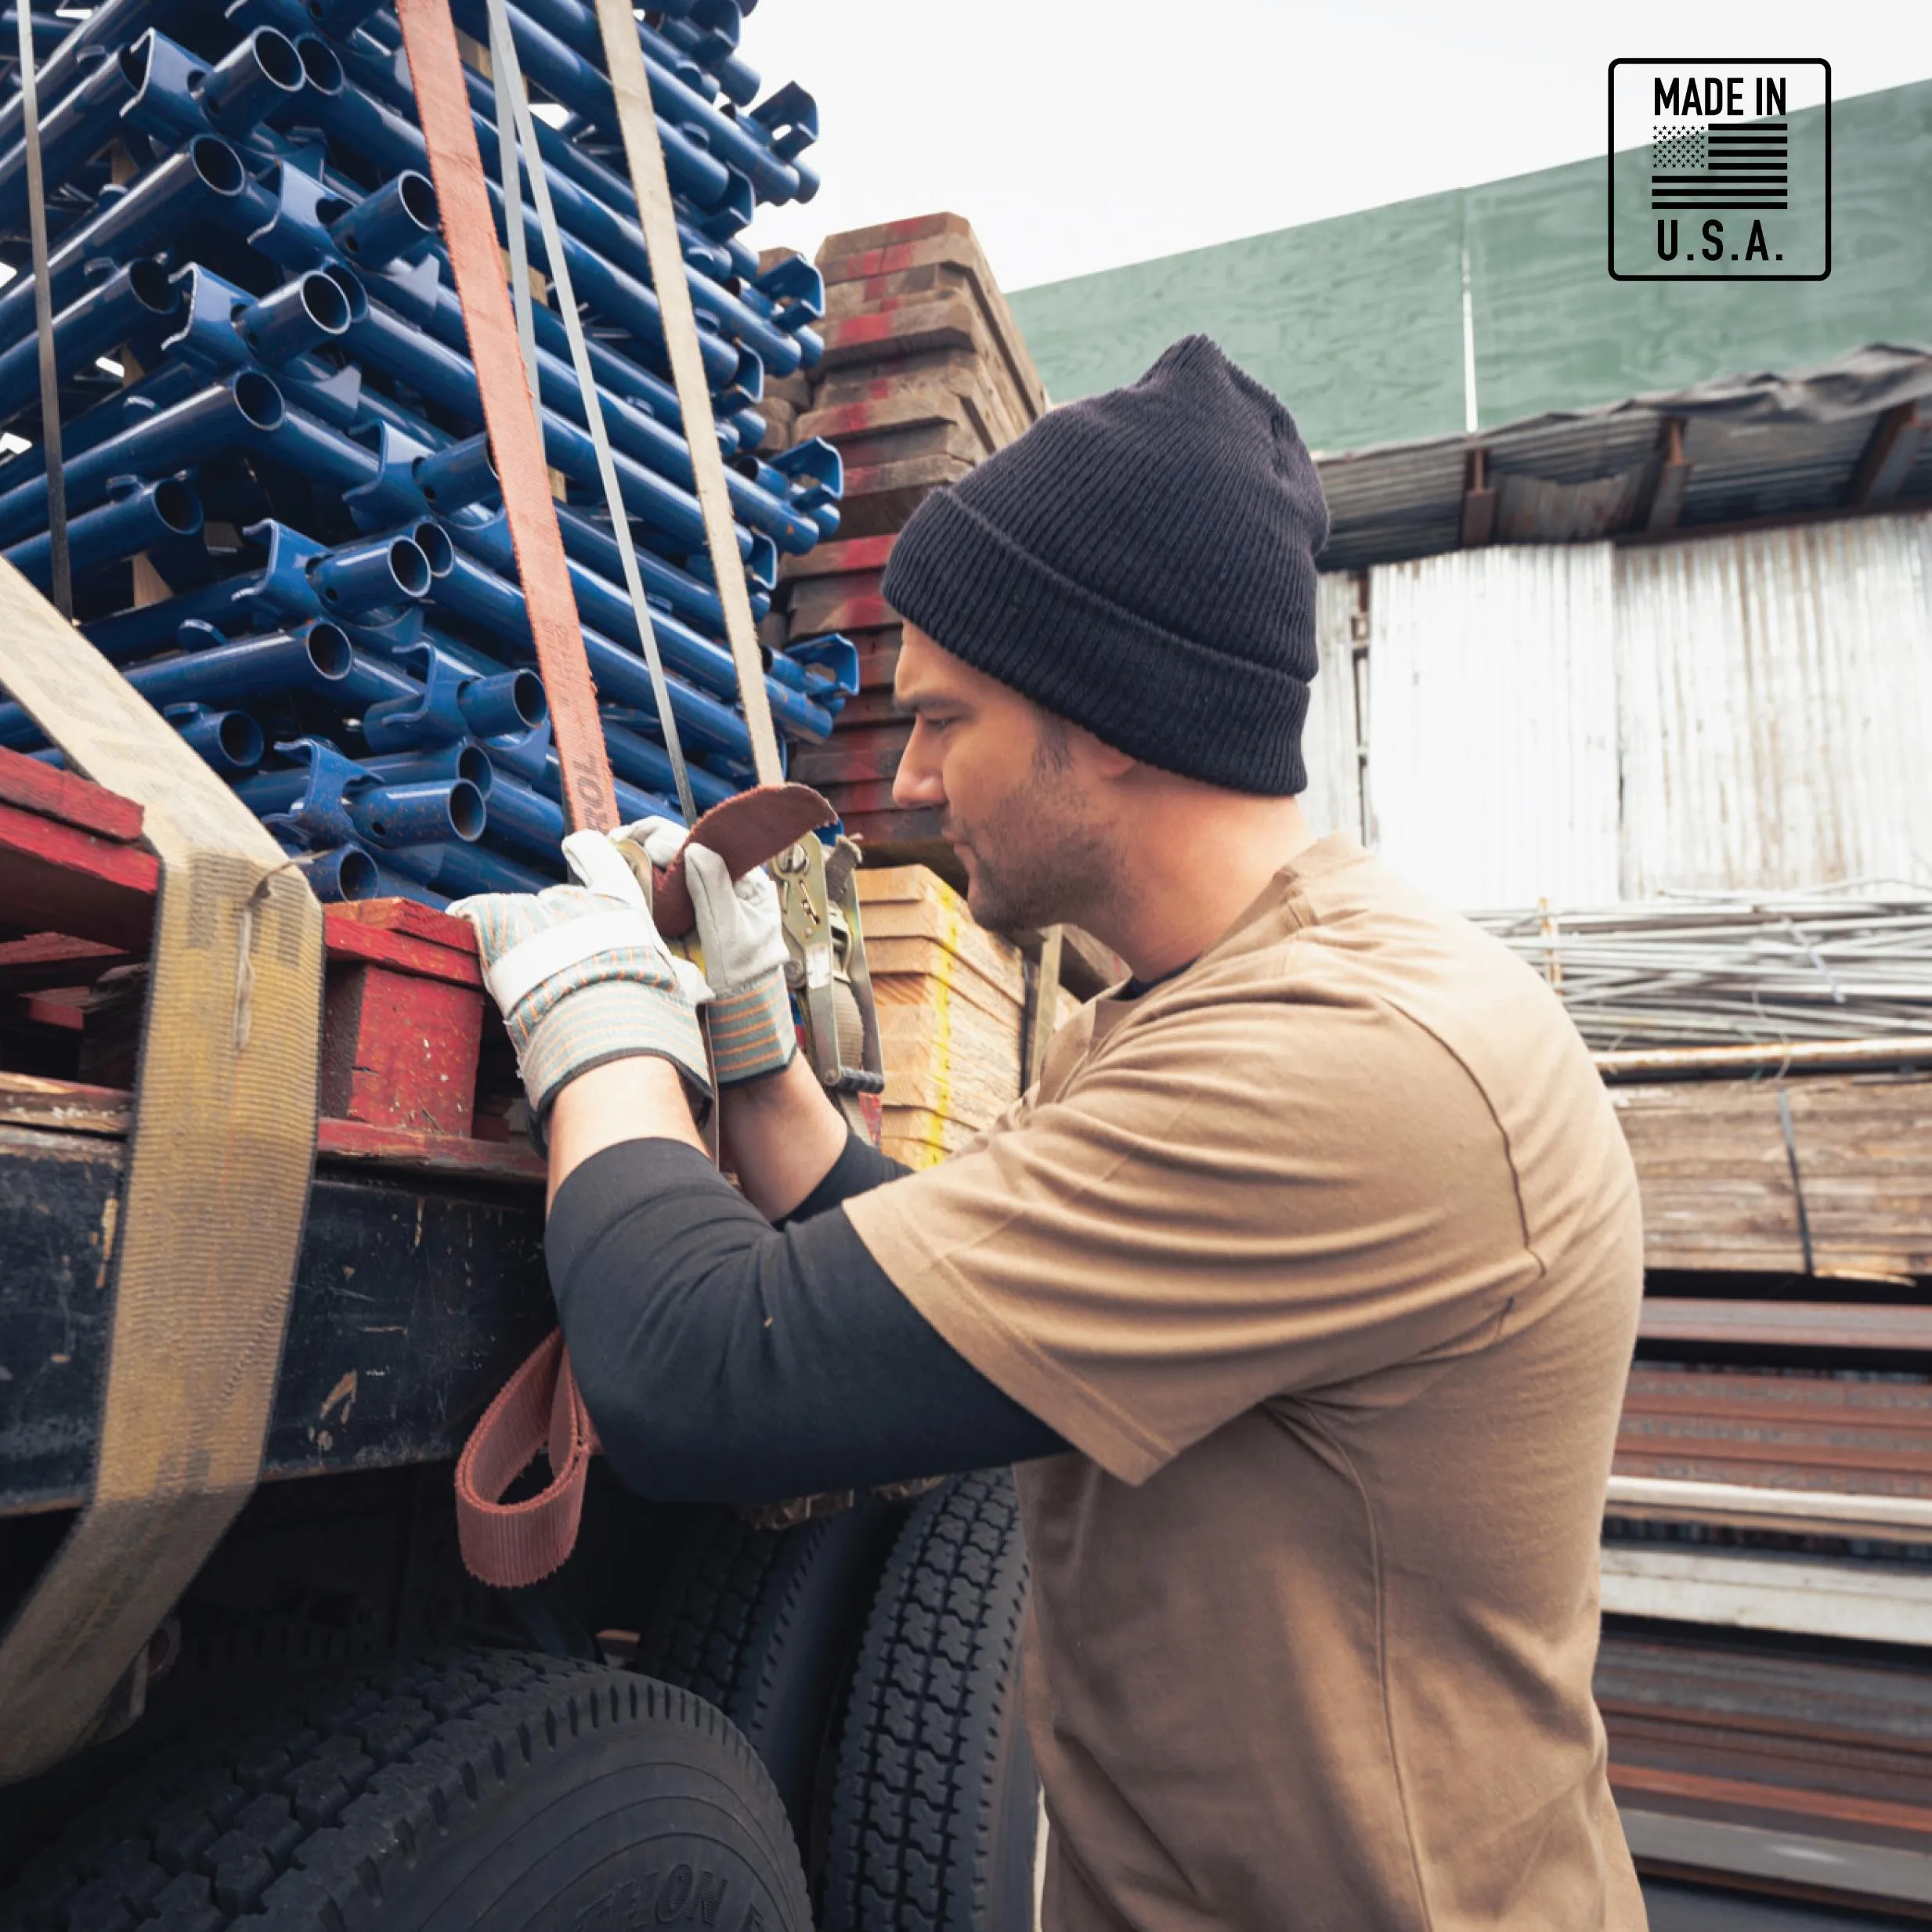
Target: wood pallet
(954, 1001)
(405, 1078)
(925, 374)
(1723, 1183)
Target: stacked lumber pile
(925, 373)
(1737, 1175)
(952, 1002)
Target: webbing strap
(214, 1193)
(44, 326)
(526, 1543)
(636, 120)
(509, 89)
(516, 242)
(537, 1411)
(469, 230)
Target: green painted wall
(1357, 322)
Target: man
(1302, 1288)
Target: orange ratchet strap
(456, 166)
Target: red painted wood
(838, 765)
(878, 659)
(406, 915)
(869, 813)
(32, 786)
(56, 877)
(867, 707)
(351, 938)
(835, 560)
(399, 1050)
(60, 1008)
(864, 611)
(45, 960)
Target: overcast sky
(1076, 135)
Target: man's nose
(916, 782)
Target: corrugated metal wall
(1775, 694)
(1330, 738)
(1582, 723)
(1492, 702)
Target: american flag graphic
(1719, 164)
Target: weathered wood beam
(1478, 501)
(1673, 475)
(1888, 455)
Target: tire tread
(308, 1817)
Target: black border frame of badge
(1609, 159)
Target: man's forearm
(781, 1135)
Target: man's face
(1018, 802)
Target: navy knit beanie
(1142, 563)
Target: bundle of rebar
(1849, 963)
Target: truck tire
(935, 1807)
(765, 1624)
(492, 1790)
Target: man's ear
(1101, 759)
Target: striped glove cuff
(752, 1032)
(581, 980)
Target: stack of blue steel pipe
(284, 519)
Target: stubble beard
(1036, 862)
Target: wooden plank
(949, 256)
(914, 902)
(62, 879)
(399, 1049)
(959, 372)
(897, 838)
(1861, 1325)
(837, 762)
(1888, 455)
(406, 916)
(879, 498)
(921, 1138)
(369, 1143)
(901, 967)
(895, 420)
(1716, 1173)
(352, 938)
(909, 228)
(852, 601)
(949, 1059)
(29, 785)
(878, 657)
(48, 959)
(868, 707)
(67, 1106)
(838, 558)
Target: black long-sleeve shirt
(724, 1359)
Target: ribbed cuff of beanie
(1159, 697)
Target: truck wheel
(493, 1790)
(935, 1807)
(765, 1624)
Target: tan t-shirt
(1326, 1256)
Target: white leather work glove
(582, 978)
(742, 931)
